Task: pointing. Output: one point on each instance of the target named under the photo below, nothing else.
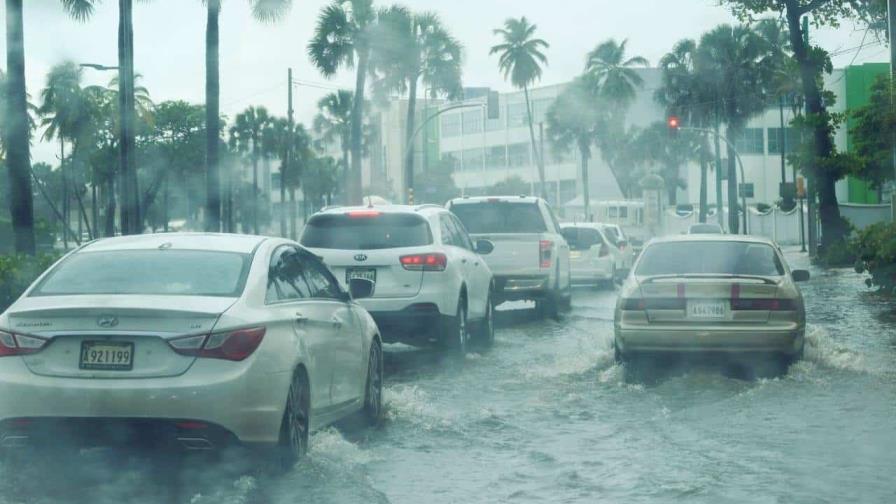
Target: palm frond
(268, 11)
(80, 10)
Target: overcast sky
(170, 35)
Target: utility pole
(810, 178)
(782, 144)
(544, 190)
(288, 168)
(719, 213)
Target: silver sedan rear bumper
(733, 340)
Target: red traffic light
(673, 122)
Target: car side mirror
(484, 247)
(800, 275)
(360, 288)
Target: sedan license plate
(707, 309)
(107, 356)
(362, 273)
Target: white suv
(530, 259)
(430, 283)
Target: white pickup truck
(530, 260)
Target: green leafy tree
(668, 152)
(510, 186)
(811, 62)
(413, 50)
(262, 10)
(612, 76)
(521, 58)
(732, 62)
(343, 38)
(333, 124)
(574, 120)
(873, 128)
(246, 137)
(319, 180)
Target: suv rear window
(710, 258)
(367, 232)
(500, 217)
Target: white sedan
(202, 340)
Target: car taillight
(763, 304)
(424, 262)
(232, 345)
(363, 214)
(18, 344)
(544, 253)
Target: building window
(451, 125)
(516, 115)
(497, 157)
(751, 142)
(472, 160)
(518, 155)
(453, 159)
(774, 140)
(472, 122)
(495, 124)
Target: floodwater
(546, 416)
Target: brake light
(363, 214)
(233, 345)
(763, 304)
(544, 255)
(19, 344)
(424, 262)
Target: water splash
(822, 350)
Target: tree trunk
(17, 133)
(355, 190)
(346, 178)
(720, 215)
(110, 206)
(165, 216)
(65, 198)
(585, 151)
(672, 190)
(131, 222)
(409, 133)
(94, 211)
(293, 214)
(212, 118)
(703, 182)
(833, 227)
(539, 161)
(733, 211)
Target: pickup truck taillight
(545, 248)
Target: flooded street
(546, 416)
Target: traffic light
(674, 126)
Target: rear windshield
(150, 272)
(710, 257)
(383, 231)
(582, 238)
(500, 217)
(612, 235)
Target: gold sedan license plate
(707, 309)
(107, 356)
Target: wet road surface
(546, 416)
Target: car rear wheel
(455, 335)
(373, 391)
(484, 336)
(294, 429)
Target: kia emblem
(360, 257)
(107, 321)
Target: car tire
(294, 428)
(372, 412)
(455, 333)
(618, 357)
(484, 335)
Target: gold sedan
(698, 294)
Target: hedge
(875, 250)
(17, 272)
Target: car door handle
(337, 323)
(300, 318)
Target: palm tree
(333, 124)
(574, 119)
(342, 38)
(612, 76)
(521, 59)
(17, 133)
(262, 10)
(246, 137)
(416, 49)
(732, 59)
(685, 95)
